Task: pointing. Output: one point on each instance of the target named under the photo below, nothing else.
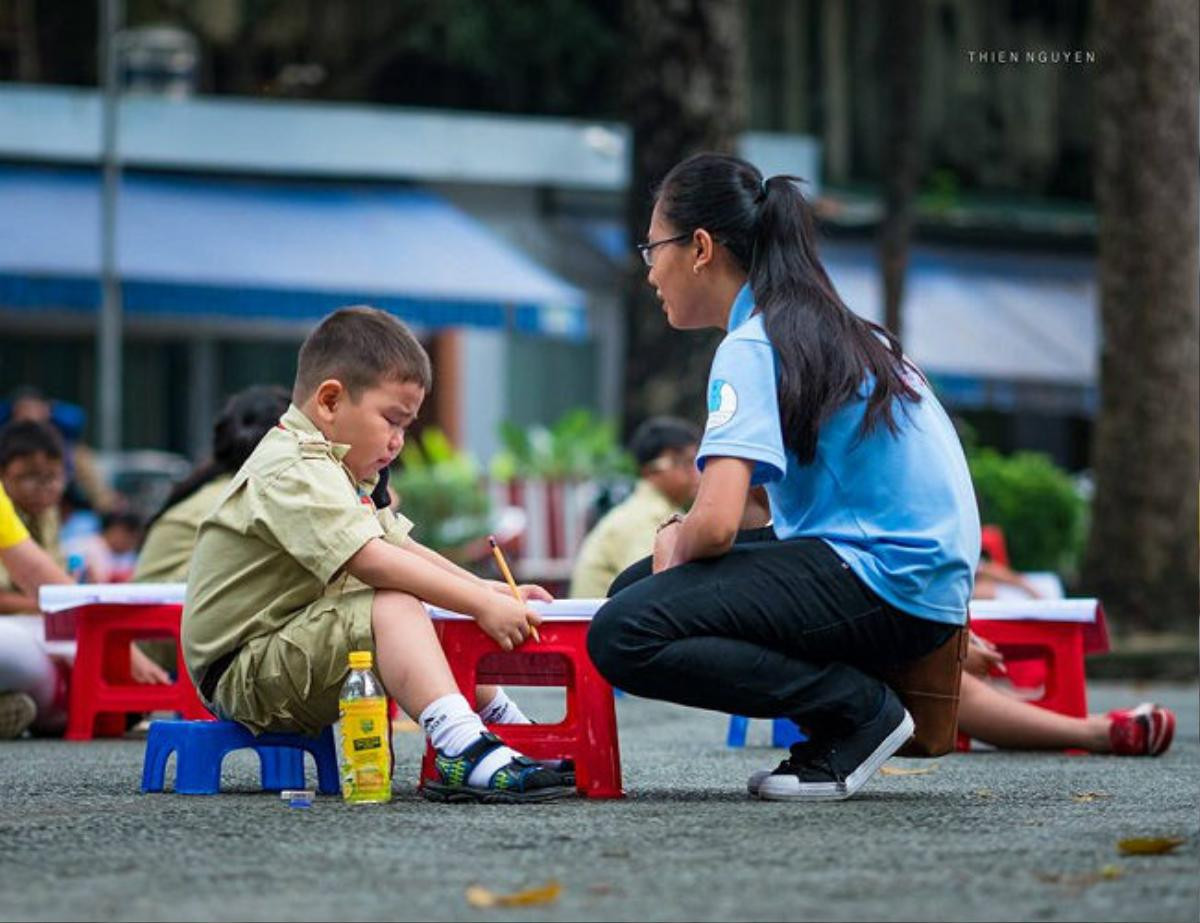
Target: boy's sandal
(521, 780)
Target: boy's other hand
(983, 657)
(505, 620)
(144, 670)
(528, 591)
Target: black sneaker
(834, 770)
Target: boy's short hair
(661, 434)
(360, 346)
(23, 438)
(122, 519)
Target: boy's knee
(392, 603)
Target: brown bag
(929, 690)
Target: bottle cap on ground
(361, 660)
(302, 798)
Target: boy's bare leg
(484, 696)
(411, 662)
(989, 715)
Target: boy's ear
(328, 395)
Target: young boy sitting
(295, 568)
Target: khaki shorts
(289, 681)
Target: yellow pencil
(512, 584)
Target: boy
(33, 475)
(665, 451)
(295, 568)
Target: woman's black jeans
(770, 629)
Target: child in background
(34, 475)
(296, 568)
(109, 556)
(171, 533)
(665, 451)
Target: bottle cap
(302, 798)
(361, 660)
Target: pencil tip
(492, 540)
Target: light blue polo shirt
(898, 509)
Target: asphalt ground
(984, 836)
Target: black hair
(124, 518)
(360, 346)
(22, 438)
(660, 434)
(825, 351)
(247, 417)
(27, 393)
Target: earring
(696, 270)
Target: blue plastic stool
(201, 747)
(784, 733)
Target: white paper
(1036, 610)
(72, 596)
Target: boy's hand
(528, 590)
(505, 620)
(144, 670)
(983, 657)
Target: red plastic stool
(1059, 645)
(588, 731)
(102, 690)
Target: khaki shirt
(43, 530)
(623, 537)
(280, 534)
(167, 551)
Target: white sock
(452, 726)
(502, 710)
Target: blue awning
(232, 250)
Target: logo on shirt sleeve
(722, 403)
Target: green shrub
(579, 445)
(440, 490)
(1036, 504)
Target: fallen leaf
(1084, 797)
(897, 771)
(1109, 872)
(1149, 845)
(481, 897)
(983, 792)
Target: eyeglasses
(647, 249)
(40, 481)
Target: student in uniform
(665, 451)
(171, 533)
(875, 530)
(296, 567)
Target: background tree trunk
(902, 39)
(1142, 552)
(684, 94)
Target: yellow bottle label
(366, 768)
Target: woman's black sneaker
(835, 770)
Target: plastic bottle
(364, 735)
